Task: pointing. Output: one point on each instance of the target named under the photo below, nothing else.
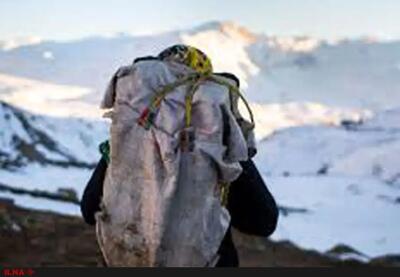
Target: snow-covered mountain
(26, 138)
(348, 73)
(327, 115)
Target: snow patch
(361, 221)
(48, 55)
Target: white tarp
(161, 206)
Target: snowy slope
(342, 182)
(47, 153)
(368, 149)
(47, 140)
(358, 212)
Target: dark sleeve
(227, 252)
(252, 207)
(93, 192)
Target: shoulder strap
(146, 58)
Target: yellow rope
(234, 89)
(189, 100)
(196, 79)
(161, 94)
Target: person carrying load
(164, 192)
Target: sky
(71, 19)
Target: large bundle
(175, 141)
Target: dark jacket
(252, 208)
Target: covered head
(188, 55)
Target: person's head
(188, 55)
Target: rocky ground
(36, 238)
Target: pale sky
(69, 19)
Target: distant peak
(229, 28)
